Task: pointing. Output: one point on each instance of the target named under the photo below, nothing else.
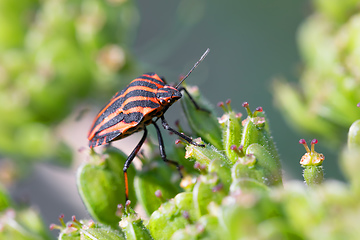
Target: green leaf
(203, 123)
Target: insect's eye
(162, 101)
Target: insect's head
(168, 95)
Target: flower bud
(204, 155)
(133, 227)
(206, 190)
(166, 220)
(265, 160)
(231, 131)
(354, 135)
(101, 185)
(312, 163)
(256, 131)
(86, 229)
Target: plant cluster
(232, 188)
(322, 104)
(52, 55)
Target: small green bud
(184, 202)
(204, 155)
(166, 220)
(312, 163)
(231, 130)
(246, 168)
(85, 229)
(101, 185)
(354, 135)
(256, 130)
(207, 189)
(265, 161)
(313, 175)
(133, 227)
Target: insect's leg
(129, 160)
(183, 136)
(192, 100)
(162, 150)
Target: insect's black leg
(192, 100)
(162, 150)
(129, 160)
(183, 136)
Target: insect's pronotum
(133, 109)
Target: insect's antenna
(195, 65)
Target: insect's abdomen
(128, 111)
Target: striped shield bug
(143, 102)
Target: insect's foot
(197, 144)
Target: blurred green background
(60, 61)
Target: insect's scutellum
(133, 109)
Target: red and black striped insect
(132, 109)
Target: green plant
(45, 68)
(233, 188)
(235, 192)
(329, 87)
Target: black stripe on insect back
(135, 83)
(118, 103)
(140, 93)
(133, 117)
(141, 83)
(126, 118)
(152, 79)
(118, 118)
(111, 109)
(141, 103)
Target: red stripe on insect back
(143, 110)
(122, 126)
(150, 79)
(122, 95)
(137, 98)
(155, 76)
(120, 109)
